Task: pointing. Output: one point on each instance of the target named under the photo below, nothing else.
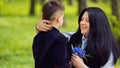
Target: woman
(99, 42)
(95, 37)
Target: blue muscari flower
(80, 52)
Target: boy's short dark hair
(50, 8)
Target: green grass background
(17, 30)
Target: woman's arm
(43, 25)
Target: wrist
(36, 27)
(82, 65)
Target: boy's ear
(58, 18)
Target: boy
(50, 48)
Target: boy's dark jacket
(50, 50)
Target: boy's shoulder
(56, 33)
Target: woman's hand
(77, 62)
(43, 25)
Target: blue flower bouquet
(80, 52)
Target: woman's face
(85, 24)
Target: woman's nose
(83, 22)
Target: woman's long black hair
(101, 42)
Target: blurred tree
(32, 7)
(105, 1)
(115, 8)
(42, 2)
(94, 1)
(57, 0)
(81, 5)
(70, 2)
